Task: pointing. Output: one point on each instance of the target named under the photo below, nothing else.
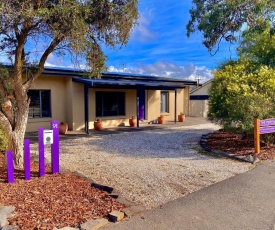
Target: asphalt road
(245, 201)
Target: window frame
(116, 95)
(40, 116)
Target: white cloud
(169, 69)
(141, 32)
(53, 61)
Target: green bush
(240, 93)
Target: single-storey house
(67, 96)
(199, 98)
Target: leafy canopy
(258, 46)
(222, 19)
(74, 26)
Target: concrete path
(246, 201)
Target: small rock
(66, 228)
(251, 159)
(115, 216)
(114, 195)
(10, 227)
(256, 160)
(5, 213)
(103, 187)
(239, 157)
(94, 224)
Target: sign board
(262, 127)
(48, 137)
(267, 122)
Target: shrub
(240, 93)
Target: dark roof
(121, 80)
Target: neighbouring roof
(121, 80)
(200, 86)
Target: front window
(40, 104)
(110, 104)
(164, 101)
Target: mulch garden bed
(57, 200)
(235, 143)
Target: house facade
(199, 98)
(67, 96)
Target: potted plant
(98, 125)
(181, 117)
(63, 128)
(133, 121)
(161, 119)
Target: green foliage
(242, 89)
(258, 46)
(222, 20)
(78, 27)
(240, 93)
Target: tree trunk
(18, 135)
(16, 144)
(15, 135)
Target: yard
(148, 166)
(152, 166)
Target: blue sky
(158, 45)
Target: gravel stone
(149, 167)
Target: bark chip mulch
(57, 200)
(235, 143)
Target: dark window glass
(110, 104)
(40, 104)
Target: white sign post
(48, 137)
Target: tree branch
(42, 61)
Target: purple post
(55, 147)
(10, 167)
(41, 152)
(27, 159)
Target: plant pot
(161, 120)
(98, 125)
(133, 122)
(63, 128)
(181, 118)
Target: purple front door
(141, 95)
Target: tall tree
(258, 45)
(52, 26)
(220, 20)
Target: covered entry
(143, 87)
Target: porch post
(137, 110)
(86, 108)
(175, 106)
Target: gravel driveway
(149, 167)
